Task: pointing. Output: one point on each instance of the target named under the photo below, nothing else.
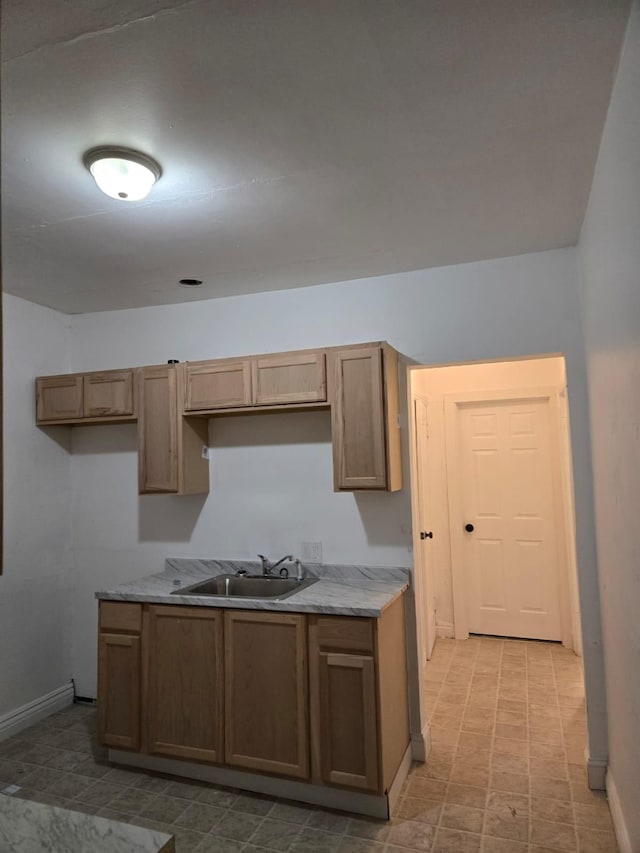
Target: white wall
(271, 476)
(35, 609)
(610, 254)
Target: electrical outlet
(311, 552)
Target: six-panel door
(184, 682)
(266, 725)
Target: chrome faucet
(268, 566)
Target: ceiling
(302, 141)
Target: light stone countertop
(340, 590)
(27, 827)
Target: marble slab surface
(27, 827)
(341, 590)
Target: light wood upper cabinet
(58, 398)
(169, 445)
(289, 378)
(85, 397)
(108, 393)
(266, 725)
(185, 687)
(119, 674)
(364, 415)
(222, 384)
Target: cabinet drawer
(345, 633)
(121, 616)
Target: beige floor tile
(461, 817)
(510, 746)
(502, 845)
(596, 816)
(504, 730)
(423, 811)
(454, 841)
(508, 803)
(373, 830)
(274, 834)
(506, 826)
(466, 795)
(554, 769)
(507, 763)
(473, 740)
(411, 834)
(541, 786)
(580, 793)
(426, 789)
(594, 841)
(550, 834)
(518, 783)
(545, 808)
(475, 776)
(473, 757)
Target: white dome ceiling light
(121, 173)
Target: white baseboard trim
(421, 743)
(445, 630)
(395, 789)
(596, 773)
(372, 805)
(619, 823)
(21, 718)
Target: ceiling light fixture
(122, 173)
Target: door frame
(423, 577)
(452, 402)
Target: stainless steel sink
(246, 586)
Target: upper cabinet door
(58, 398)
(108, 393)
(289, 378)
(157, 430)
(217, 385)
(358, 420)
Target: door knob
(469, 528)
(425, 535)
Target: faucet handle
(299, 570)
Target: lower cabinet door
(119, 687)
(266, 724)
(348, 721)
(184, 682)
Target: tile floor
(506, 772)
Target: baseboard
(596, 773)
(21, 718)
(372, 805)
(421, 743)
(395, 789)
(619, 823)
(445, 630)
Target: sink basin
(246, 586)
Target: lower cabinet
(183, 703)
(119, 690)
(348, 720)
(318, 698)
(266, 724)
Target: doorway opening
(492, 501)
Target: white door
(500, 458)
(424, 542)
